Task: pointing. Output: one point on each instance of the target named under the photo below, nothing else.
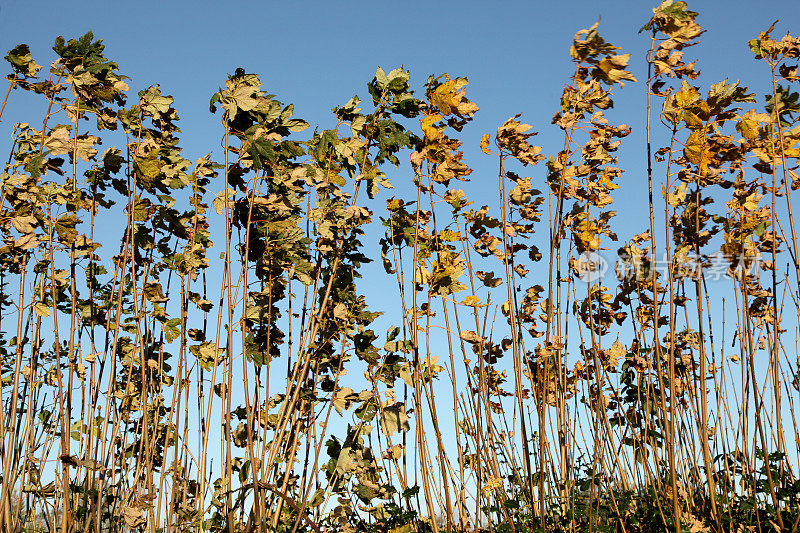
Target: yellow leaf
(677, 196)
(748, 126)
(697, 150)
(432, 133)
(485, 144)
(41, 309)
(446, 97)
(471, 337)
(614, 68)
(692, 120)
(473, 301)
(686, 96)
(751, 202)
(615, 353)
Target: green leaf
(381, 78)
(22, 61)
(394, 419)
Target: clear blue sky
(319, 54)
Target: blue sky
(317, 55)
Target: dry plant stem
(250, 446)
(786, 186)
(421, 448)
(461, 462)
(515, 340)
(774, 356)
(5, 98)
(481, 417)
(672, 384)
(554, 312)
(444, 463)
(703, 381)
(656, 315)
(8, 479)
(225, 288)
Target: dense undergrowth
(154, 380)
